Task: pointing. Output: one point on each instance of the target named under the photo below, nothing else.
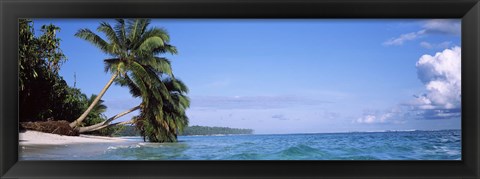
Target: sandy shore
(29, 138)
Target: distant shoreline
(352, 132)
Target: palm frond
(108, 30)
(150, 44)
(166, 49)
(136, 28)
(94, 39)
(99, 107)
(158, 85)
(175, 85)
(132, 86)
(140, 83)
(153, 32)
(121, 34)
(111, 64)
(159, 65)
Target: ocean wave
(123, 147)
(302, 151)
(244, 156)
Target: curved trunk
(109, 125)
(106, 122)
(78, 121)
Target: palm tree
(163, 124)
(172, 112)
(133, 48)
(98, 110)
(96, 114)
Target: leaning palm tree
(163, 124)
(157, 124)
(133, 48)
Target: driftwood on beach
(54, 127)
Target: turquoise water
(414, 145)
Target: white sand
(39, 138)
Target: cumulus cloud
(433, 26)
(441, 76)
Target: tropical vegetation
(134, 62)
(44, 96)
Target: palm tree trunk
(106, 122)
(78, 121)
(109, 125)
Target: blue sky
(296, 76)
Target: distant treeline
(190, 130)
(202, 130)
(127, 131)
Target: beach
(31, 138)
(34, 145)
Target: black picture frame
(467, 10)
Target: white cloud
(392, 116)
(441, 75)
(442, 45)
(433, 26)
(404, 37)
(369, 119)
(443, 26)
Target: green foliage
(162, 123)
(126, 130)
(202, 130)
(29, 58)
(51, 48)
(96, 116)
(134, 48)
(43, 94)
(67, 101)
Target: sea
(390, 145)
